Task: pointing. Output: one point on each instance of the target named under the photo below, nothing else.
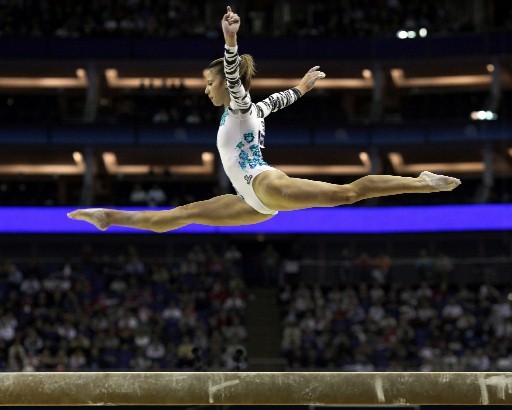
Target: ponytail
(247, 69)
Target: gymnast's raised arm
(240, 98)
(230, 27)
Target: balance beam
(250, 388)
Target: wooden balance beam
(251, 388)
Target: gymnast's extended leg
(224, 210)
(283, 193)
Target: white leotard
(242, 131)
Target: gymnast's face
(216, 88)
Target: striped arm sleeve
(239, 96)
(277, 101)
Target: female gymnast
(262, 190)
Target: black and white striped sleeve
(240, 98)
(277, 101)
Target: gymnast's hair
(247, 69)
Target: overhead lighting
(206, 168)
(79, 159)
(367, 73)
(404, 34)
(400, 80)
(401, 34)
(115, 81)
(80, 81)
(46, 169)
(400, 167)
(490, 67)
(483, 116)
(324, 83)
(363, 169)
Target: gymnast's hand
(309, 80)
(230, 23)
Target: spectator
(235, 357)
(13, 273)
(443, 266)
(235, 302)
(155, 350)
(233, 258)
(193, 118)
(32, 342)
(30, 285)
(156, 196)
(185, 353)
(115, 312)
(270, 260)
(430, 328)
(77, 360)
(161, 117)
(452, 311)
(140, 362)
(166, 19)
(16, 357)
(291, 337)
(8, 325)
(381, 267)
(234, 329)
(138, 196)
(424, 264)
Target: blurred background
(102, 104)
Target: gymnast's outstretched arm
(283, 99)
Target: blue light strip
(341, 220)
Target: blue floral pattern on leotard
(249, 154)
(224, 116)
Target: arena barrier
(250, 388)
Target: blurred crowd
(173, 18)
(396, 327)
(120, 311)
(123, 313)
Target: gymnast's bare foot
(95, 216)
(440, 182)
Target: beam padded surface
(320, 388)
